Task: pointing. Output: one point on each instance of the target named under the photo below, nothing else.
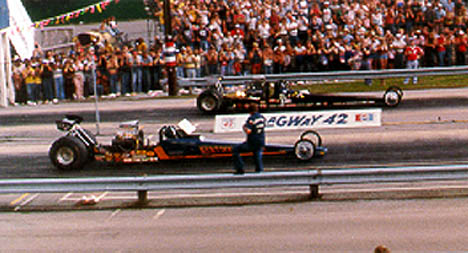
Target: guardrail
(333, 75)
(312, 178)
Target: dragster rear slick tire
(68, 153)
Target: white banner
(20, 32)
(304, 120)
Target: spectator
(68, 74)
(268, 59)
(461, 43)
(113, 69)
(212, 60)
(78, 78)
(125, 64)
(137, 72)
(18, 81)
(190, 64)
(255, 58)
(59, 81)
(29, 75)
(413, 53)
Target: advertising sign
(304, 120)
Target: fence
(312, 178)
(334, 75)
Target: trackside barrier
(333, 75)
(312, 178)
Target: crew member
(254, 127)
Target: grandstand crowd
(239, 37)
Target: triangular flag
(98, 8)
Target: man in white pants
(413, 53)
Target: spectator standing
(113, 69)
(18, 81)
(224, 60)
(300, 52)
(125, 64)
(68, 74)
(190, 64)
(461, 44)
(78, 79)
(157, 65)
(59, 81)
(268, 59)
(90, 72)
(47, 77)
(440, 47)
(29, 75)
(413, 53)
(255, 57)
(212, 60)
(137, 72)
(147, 64)
(399, 45)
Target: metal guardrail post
(314, 192)
(142, 197)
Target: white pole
(9, 77)
(3, 82)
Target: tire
(392, 97)
(68, 153)
(312, 136)
(209, 102)
(304, 150)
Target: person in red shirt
(413, 53)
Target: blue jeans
(191, 72)
(412, 65)
(48, 88)
(33, 91)
(113, 82)
(147, 83)
(126, 82)
(441, 57)
(137, 80)
(59, 88)
(245, 147)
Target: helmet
(170, 132)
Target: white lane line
(101, 196)
(27, 201)
(65, 197)
(114, 213)
(159, 214)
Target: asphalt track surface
(429, 127)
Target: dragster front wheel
(304, 149)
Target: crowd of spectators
(238, 37)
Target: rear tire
(312, 136)
(304, 150)
(68, 153)
(209, 102)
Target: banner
(304, 120)
(20, 32)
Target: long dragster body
(79, 146)
(279, 96)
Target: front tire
(392, 97)
(68, 153)
(304, 150)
